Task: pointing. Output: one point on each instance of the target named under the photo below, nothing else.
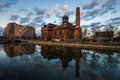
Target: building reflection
(65, 54)
(90, 64)
(13, 50)
(93, 59)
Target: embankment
(86, 46)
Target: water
(35, 62)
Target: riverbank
(86, 46)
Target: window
(62, 31)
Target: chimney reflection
(77, 53)
(65, 54)
(13, 50)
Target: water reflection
(13, 50)
(65, 54)
(102, 59)
(76, 63)
(88, 62)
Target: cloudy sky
(36, 13)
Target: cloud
(14, 17)
(23, 10)
(33, 24)
(72, 11)
(69, 13)
(28, 17)
(24, 20)
(109, 3)
(48, 15)
(65, 7)
(59, 16)
(38, 19)
(102, 8)
(30, 14)
(107, 6)
(43, 13)
(84, 26)
(34, 17)
(42, 24)
(73, 22)
(60, 11)
(38, 15)
(6, 4)
(39, 11)
(113, 21)
(98, 26)
(90, 5)
(54, 21)
(91, 14)
(95, 24)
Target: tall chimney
(77, 17)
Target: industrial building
(64, 32)
(15, 32)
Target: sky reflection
(58, 63)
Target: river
(41, 62)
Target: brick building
(14, 31)
(104, 36)
(65, 31)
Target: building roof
(50, 25)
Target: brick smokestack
(77, 17)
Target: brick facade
(104, 36)
(65, 31)
(14, 31)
